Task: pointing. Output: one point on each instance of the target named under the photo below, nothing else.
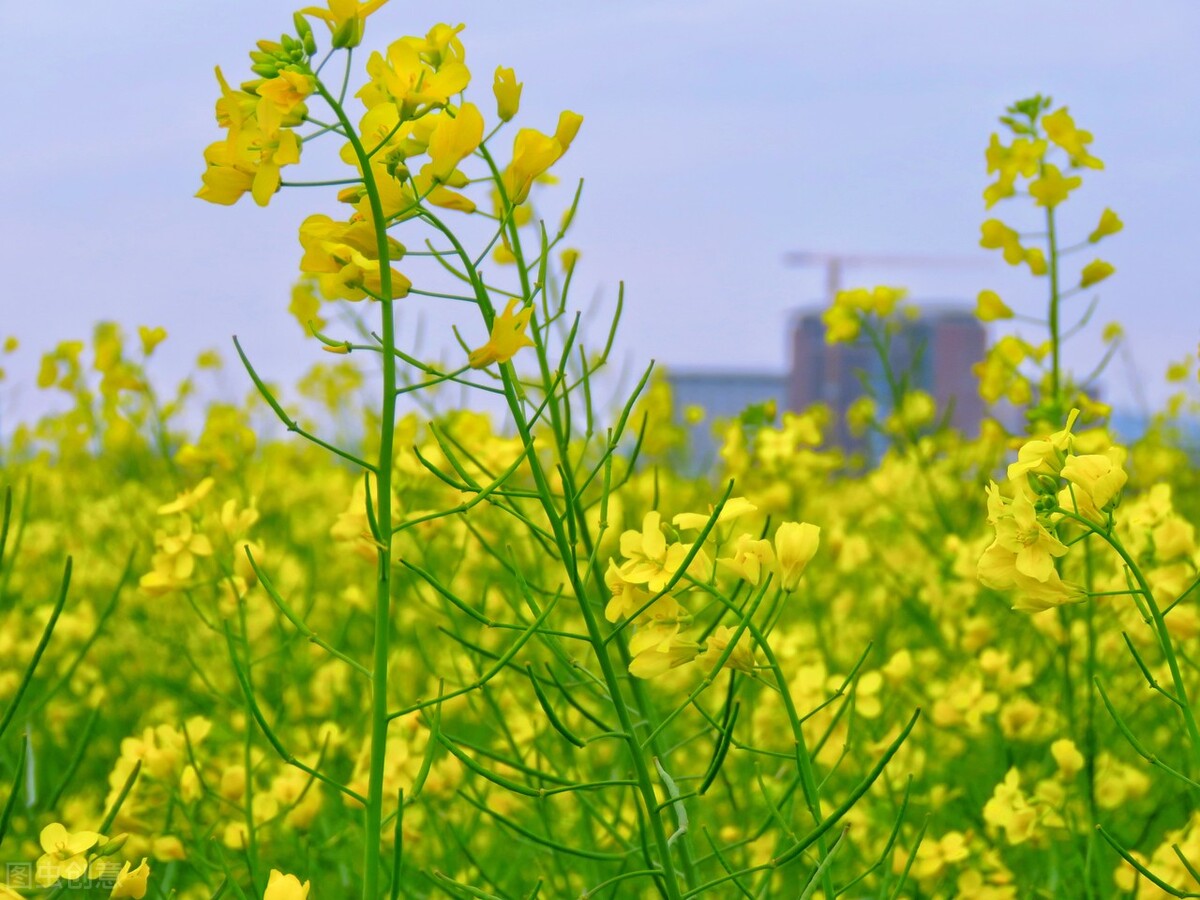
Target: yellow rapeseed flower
(151, 337)
(1094, 272)
(508, 336)
(1067, 757)
(285, 887)
(751, 558)
(989, 307)
(1109, 224)
(131, 882)
(796, 544)
(995, 235)
(1052, 188)
(508, 93)
(1100, 475)
(453, 140)
(65, 854)
(534, 153)
(842, 324)
(345, 19)
(1060, 128)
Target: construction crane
(835, 263)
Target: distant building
(938, 351)
(723, 395)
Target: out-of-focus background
(718, 138)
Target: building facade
(937, 351)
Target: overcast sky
(718, 136)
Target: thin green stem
(1052, 259)
(1161, 632)
(383, 491)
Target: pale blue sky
(717, 137)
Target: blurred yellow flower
(734, 508)
(1094, 272)
(285, 887)
(989, 307)
(1010, 810)
(151, 337)
(1109, 224)
(842, 324)
(655, 660)
(1052, 187)
(1060, 128)
(742, 657)
(1067, 757)
(131, 882)
(995, 235)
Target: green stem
(1055, 298)
(383, 514)
(924, 464)
(564, 546)
(1089, 721)
(1160, 629)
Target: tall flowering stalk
(410, 116)
(409, 154)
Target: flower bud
(108, 848)
(304, 30)
(348, 34)
(508, 93)
(795, 545)
(1046, 484)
